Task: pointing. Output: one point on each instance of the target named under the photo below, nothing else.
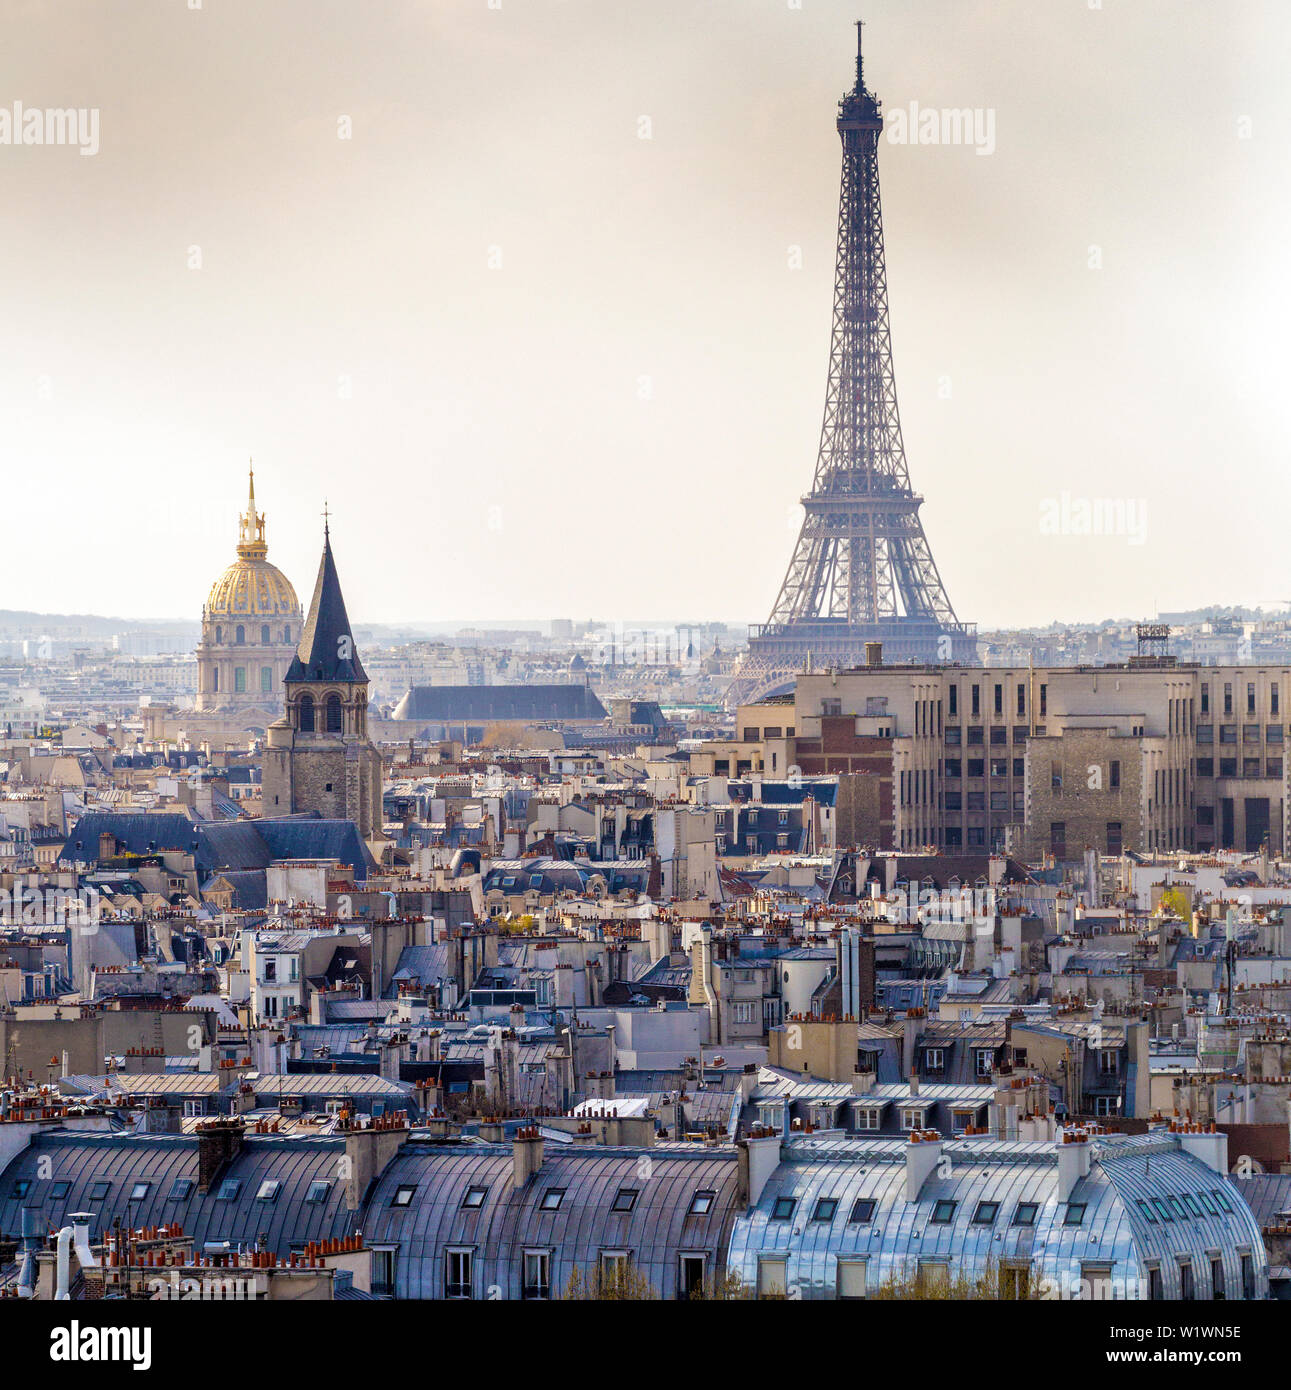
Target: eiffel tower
(861, 570)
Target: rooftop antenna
(326, 514)
(860, 75)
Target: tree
(620, 1282)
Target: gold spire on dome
(251, 542)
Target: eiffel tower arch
(862, 570)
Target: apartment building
(1148, 755)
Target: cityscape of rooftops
(449, 929)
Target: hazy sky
(541, 366)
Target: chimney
(1208, 1144)
(909, 1039)
(526, 1155)
(218, 1143)
(759, 1158)
(1073, 1160)
(922, 1157)
(368, 1153)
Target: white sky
(495, 458)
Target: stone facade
(319, 756)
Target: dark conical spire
(327, 651)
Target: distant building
(250, 626)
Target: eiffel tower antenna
(862, 571)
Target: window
(1097, 1277)
(306, 714)
(99, 1191)
(934, 1274)
(240, 635)
(240, 678)
(1145, 1210)
(624, 1199)
(1207, 1205)
(229, 1190)
(1015, 1281)
(986, 1213)
(269, 1191)
(1024, 1213)
(1222, 1201)
(383, 1268)
(1163, 1211)
(403, 1195)
(701, 1203)
(1187, 1291)
(333, 708)
(934, 1059)
(999, 699)
(318, 1190)
(1248, 1277)
(1114, 773)
(1156, 1290)
(1228, 697)
(783, 1208)
(551, 1199)
(182, 1190)
(851, 1276)
(614, 1265)
(139, 1191)
(22, 1187)
(266, 680)
(772, 1282)
(474, 1198)
(1022, 699)
(943, 1213)
(977, 701)
(952, 694)
(868, 1117)
(457, 1274)
(1190, 1202)
(59, 1190)
(862, 1211)
(1218, 1287)
(1250, 697)
(536, 1277)
(1178, 1208)
(825, 1209)
(1205, 697)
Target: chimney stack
(526, 1155)
(922, 1157)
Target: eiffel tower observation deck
(862, 571)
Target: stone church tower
(319, 757)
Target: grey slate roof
(327, 651)
(456, 703)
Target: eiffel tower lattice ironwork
(862, 570)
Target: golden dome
(251, 587)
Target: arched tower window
(286, 634)
(334, 722)
(306, 714)
(216, 686)
(219, 635)
(240, 635)
(264, 635)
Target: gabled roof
(327, 651)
